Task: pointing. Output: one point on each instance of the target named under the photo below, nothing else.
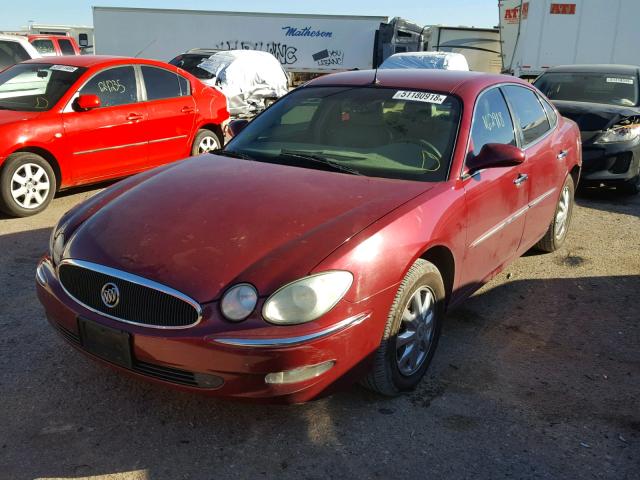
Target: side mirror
(87, 102)
(494, 155)
(234, 127)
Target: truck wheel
(411, 333)
(27, 184)
(557, 232)
(205, 142)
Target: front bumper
(235, 361)
(610, 163)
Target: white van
(430, 60)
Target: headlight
(625, 133)
(307, 299)
(56, 245)
(239, 301)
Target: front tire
(27, 184)
(557, 232)
(411, 333)
(206, 141)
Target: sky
(478, 13)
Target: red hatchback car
(68, 121)
(324, 243)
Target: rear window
(44, 47)
(11, 53)
(66, 47)
(190, 62)
(606, 88)
(161, 83)
(528, 112)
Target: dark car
(324, 243)
(190, 60)
(603, 101)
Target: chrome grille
(141, 301)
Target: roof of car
(92, 60)
(597, 68)
(437, 80)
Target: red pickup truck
(54, 45)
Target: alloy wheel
(562, 215)
(207, 144)
(30, 186)
(416, 331)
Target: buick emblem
(110, 295)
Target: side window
(65, 47)
(491, 122)
(115, 86)
(551, 113)
(161, 83)
(528, 112)
(12, 53)
(44, 47)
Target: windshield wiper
(232, 154)
(315, 158)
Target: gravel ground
(537, 376)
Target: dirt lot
(538, 376)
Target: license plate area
(107, 343)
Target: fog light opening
(299, 374)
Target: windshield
(35, 87)
(607, 88)
(373, 131)
(190, 62)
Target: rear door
(543, 159)
(496, 198)
(172, 114)
(66, 47)
(109, 141)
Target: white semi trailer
(539, 34)
(480, 46)
(302, 43)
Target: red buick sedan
(324, 243)
(68, 121)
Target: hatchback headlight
(307, 299)
(239, 301)
(624, 133)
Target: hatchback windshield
(611, 89)
(373, 131)
(35, 87)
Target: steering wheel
(429, 151)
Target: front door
(496, 198)
(109, 141)
(172, 114)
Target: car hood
(205, 223)
(593, 118)
(10, 116)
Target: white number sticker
(419, 96)
(628, 81)
(63, 68)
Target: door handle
(134, 117)
(562, 155)
(520, 179)
(188, 110)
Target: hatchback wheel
(411, 333)
(557, 231)
(27, 184)
(206, 141)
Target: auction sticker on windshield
(419, 96)
(63, 68)
(628, 81)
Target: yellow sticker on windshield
(426, 97)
